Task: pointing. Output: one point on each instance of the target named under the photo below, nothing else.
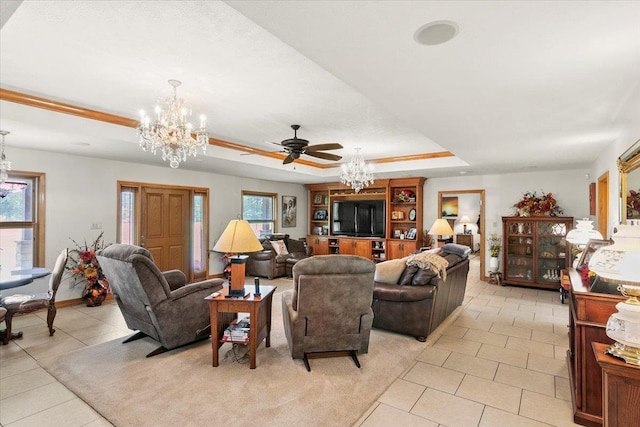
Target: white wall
(82, 190)
(569, 187)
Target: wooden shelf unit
(375, 248)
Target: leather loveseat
(267, 263)
(418, 301)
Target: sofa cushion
(423, 277)
(453, 259)
(279, 247)
(390, 271)
(390, 292)
(407, 275)
(453, 248)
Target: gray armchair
(328, 312)
(158, 304)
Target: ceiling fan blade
(321, 155)
(288, 159)
(324, 147)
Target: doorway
(171, 222)
(603, 204)
(469, 204)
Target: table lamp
(581, 235)
(237, 238)
(620, 263)
(441, 227)
(464, 221)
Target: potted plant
(86, 270)
(495, 246)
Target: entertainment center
(382, 221)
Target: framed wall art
(449, 207)
(289, 213)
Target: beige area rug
(181, 387)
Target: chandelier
(171, 132)
(5, 165)
(357, 173)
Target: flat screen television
(361, 218)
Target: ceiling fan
(295, 147)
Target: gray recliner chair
(158, 304)
(328, 312)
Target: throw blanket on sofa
(433, 262)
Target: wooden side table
(465, 239)
(620, 389)
(259, 309)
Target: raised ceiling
(522, 86)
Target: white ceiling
(524, 85)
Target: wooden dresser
(621, 389)
(588, 315)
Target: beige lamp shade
(465, 219)
(441, 227)
(237, 238)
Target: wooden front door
(165, 227)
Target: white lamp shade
(583, 232)
(620, 262)
(441, 227)
(238, 237)
(465, 220)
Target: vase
(95, 301)
(95, 295)
(494, 263)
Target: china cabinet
(535, 250)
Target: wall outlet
(96, 226)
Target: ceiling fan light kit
(171, 132)
(295, 147)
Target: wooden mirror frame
(627, 162)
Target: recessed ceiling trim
(87, 113)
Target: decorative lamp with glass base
(237, 238)
(620, 263)
(581, 235)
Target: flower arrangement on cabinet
(633, 202)
(86, 270)
(587, 276)
(534, 204)
(495, 245)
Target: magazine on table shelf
(237, 331)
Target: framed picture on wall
(289, 216)
(449, 207)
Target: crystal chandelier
(5, 165)
(171, 132)
(357, 173)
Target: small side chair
(21, 303)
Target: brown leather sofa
(420, 300)
(267, 263)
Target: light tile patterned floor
(499, 363)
